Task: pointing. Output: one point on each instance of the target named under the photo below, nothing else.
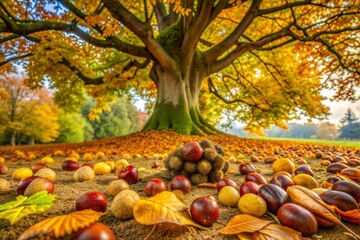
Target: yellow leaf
(278, 232)
(244, 223)
(164, 207)
(60, 226)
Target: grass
(342, 143)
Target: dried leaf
(23, 206)
(244, 223)
(350, 215)
(60, 226)
(312, 202)
(209, 185)
(277, 232)
(164, 207)
(346, 178)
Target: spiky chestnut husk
(198, 178)
(219, 150)
(226, 166)
(218, 163)
(177, 152)
(175, 163)
(207, 144)
(190, 167)
(204, 167)
(185, 173)
(166, 162)
(210, 154)
(215, 176)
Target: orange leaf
(244, 223)
(350, 215)
(60, 226)
(278, 232)
(164, 207)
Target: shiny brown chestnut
(245, 168)
(352, 173)
(255, 177)
(348, 187)
(249, 187)
(304, 169)
(336, 167)
(192, 151)
(37, 166)
(298, 218)
(282, 181)
(274, 196)
(333, 179)
(341, 200)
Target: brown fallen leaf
(62, 225)
(346, 178)
(244, 223)
(350, 215)
(164, 207)
(209, 185)
(311, 201)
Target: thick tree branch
(213, 53)
(142, 30)
(160, 13)
(15, 58)
(283, 7)
(246, 47)
(85, 79)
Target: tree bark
(13, 138)
(177, 105)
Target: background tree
(261, 61)
(350, 128)
(327, 130)
(24, 110)
(120, 119)
(72, 127)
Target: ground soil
(67, 191)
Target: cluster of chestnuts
(200, 162)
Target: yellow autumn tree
(261, 62)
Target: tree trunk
(13, 138)
(31, 141)
(177, 106)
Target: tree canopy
(195, 61)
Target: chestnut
(154, 165)
(155, 186)
(304, 169)
(180, 182)
(225, 182)
(348, 187)
(37, 166)
(333, 179)
(70, 165)
(335, 167)
(204, 210)
(3, 168)
(282, 181)
(255, 177)
(248, 187)
(274, 196)
(130, 174)
(192, 151)
(24, 184)
(341, 200)
(245, 168)
(352, 173)
(298, 218)
(96, 230)
(96, 201)
(89, 164)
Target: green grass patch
(342, 143)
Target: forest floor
(139, 150)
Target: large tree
(265, 61)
